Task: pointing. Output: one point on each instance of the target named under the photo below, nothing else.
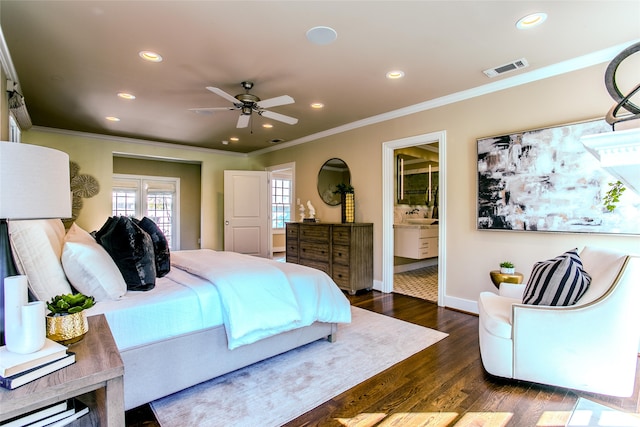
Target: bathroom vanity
(415, 240)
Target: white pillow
(37, 247)
(89, 267)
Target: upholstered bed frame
(163, 367)
(170, 337)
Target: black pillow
(160, 245)
(558, 281)
(131, 249)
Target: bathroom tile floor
(420, 283)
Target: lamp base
(7, 269)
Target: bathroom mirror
(333, 172)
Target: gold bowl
(67, 329)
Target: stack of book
(56, 415)
(19, 369)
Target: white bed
(191, 326)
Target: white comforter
(262, 297)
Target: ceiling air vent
(511, 66)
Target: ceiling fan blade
(223, 94)
(274, 102)
(204, 109)
(279, 117)
(243, 121)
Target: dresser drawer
(341, 276)
(314, 232)
(314, 251)
(340, 254)
(322, 266)
(341, 235)
(292, 231)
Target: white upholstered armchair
(591, 346)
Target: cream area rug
(279, 389)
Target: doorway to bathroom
(413, 216)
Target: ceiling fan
(248, 103)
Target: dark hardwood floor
(443, 385)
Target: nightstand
(98, 370)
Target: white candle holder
(24, 321)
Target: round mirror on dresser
(333, 172)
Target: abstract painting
(546, 180)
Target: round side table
(497, 278)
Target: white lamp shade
(34, 182)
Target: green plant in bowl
(61, 305)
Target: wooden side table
(497, 278)
(98, 370)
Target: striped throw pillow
(558, 281)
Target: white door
(247, 212)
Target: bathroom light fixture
(531, 20)
(150, 56)
(395, 74)
(322, 35)
(126, 95)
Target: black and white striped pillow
(558, 281)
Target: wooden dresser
(343, 251)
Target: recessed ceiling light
(112, 118)
(267, 125)
(150, 56)
(531, 20)
(317, 105)
(234, 139)
(125, 95)
(322, 35)
(395, 74)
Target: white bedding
(143, 317)
(261, 297)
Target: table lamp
(34, 184)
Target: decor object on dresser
(538, 180)
(591, 345)
(343, 251)
(67, 323)
(34, 183)
(347, 201)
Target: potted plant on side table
(507, 267)
(67, 320)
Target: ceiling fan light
(267, 125)
(531, 20)
(322, 35)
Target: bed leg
(331, 338)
